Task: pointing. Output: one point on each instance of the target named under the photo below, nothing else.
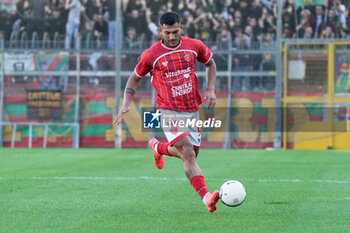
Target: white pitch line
(302, 181)
(171, 179)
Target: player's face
(171, 34)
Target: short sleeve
(204, 53)
(143, 65)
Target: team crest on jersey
(165, 63)
(187, 57)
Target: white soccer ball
(232, 193)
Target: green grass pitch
(108, 190)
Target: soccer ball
(232, 193)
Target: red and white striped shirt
(173, 73)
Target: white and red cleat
(211, 201)
(158, 159)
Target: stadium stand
(242, 25)
(203, 19)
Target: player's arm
(209, 95)
(129, 93)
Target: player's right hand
(119, 117)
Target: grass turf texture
(106, 190)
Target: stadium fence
(67, 98)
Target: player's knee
(187, 151)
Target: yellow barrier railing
(330, 98)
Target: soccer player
(171, 63)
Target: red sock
(199, 185)
(162, 148)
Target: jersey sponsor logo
(178, 72)
(187, 57)
(181, 89)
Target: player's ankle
(163, 148)
(204, 200)
(156, 147)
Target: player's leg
(172, 151)
(188, 156)
(160, 148)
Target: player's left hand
(118, 118)
(209, 99)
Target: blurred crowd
(244, 22)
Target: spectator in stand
(305, 22)
(288, 20)
(244, 10)
(92, 8)
(267, 21)
(206, 25)
(87, 35)
(136, 19)
(308, 33)
(105, 6)
(256, 30)
(224, 8)
(248, 31)
(23, 14)
(332, 22)
(267, 63)
(241, 61)
(347, 14)
(131, 39)
(3, 18)
(318, 22)
(6, 24)
(255, 11)
(152, 26)
(181, 7)
(111, 23)
(230, 24)
(223, 42)
(238, 19)
(100, 31)
(37, 21)
(140, 5)
(269, 4)
(189, 25)
(73, 23)
(55, 19)
(340, 12)
(327, 33)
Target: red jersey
(173, 73)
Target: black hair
(169, 18)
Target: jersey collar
(170, 47)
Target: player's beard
(173, 43)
